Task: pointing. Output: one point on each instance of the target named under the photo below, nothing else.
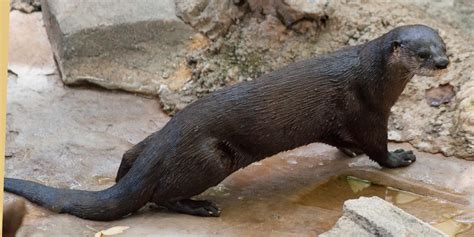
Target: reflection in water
(450, 218)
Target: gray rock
(211, 17)
(376, 217)
(292, 11)
(296, 10)
(117, 44)
(26, 6)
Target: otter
(342, 99)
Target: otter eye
(423, 55)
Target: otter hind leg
(193, 207)
(130, 156)
(210, 163)
(127, 161)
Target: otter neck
(386, 79)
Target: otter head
(419, 49)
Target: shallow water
(450, 218)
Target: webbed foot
(399, 158)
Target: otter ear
(396, 44)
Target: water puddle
(450, 218)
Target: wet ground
(74, 137)
(451, 218)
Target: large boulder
(136, 46)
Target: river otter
(341, 99)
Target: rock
(465, 118)
(173, 102)
(28, 45)
(376, 217)
(293, 11)
(210, 17)
(118, 44)
(26, 6)
(439, 95)
(394, 136)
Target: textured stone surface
(26, 6)
(211, 17)
(376, 217)
(465, 119)
(36, 56)
(119, 44)
(263, 41)
(74, 137)
(146, 48)
(293, 11)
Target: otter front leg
(374, 144)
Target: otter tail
(109, 204)
(131, 193)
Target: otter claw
(398, 158)
(398, 151)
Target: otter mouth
(430, 72)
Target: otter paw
(399, 158)
(194, 207)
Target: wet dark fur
(342, 99)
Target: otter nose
(441, 63)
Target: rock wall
(211, 44)
(264, 39)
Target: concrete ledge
(117, 44)
(376, 217)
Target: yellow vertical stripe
(4, 19)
